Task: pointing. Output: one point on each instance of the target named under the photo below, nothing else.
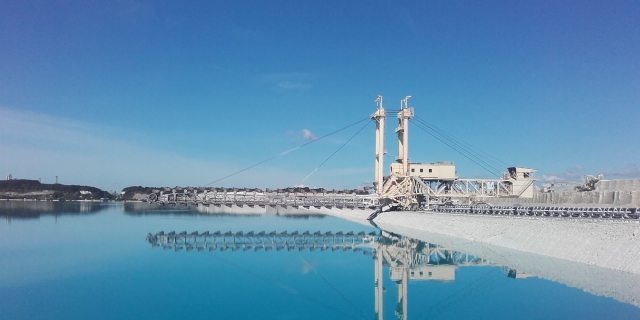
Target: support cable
(461, 145)
(460, 141)
(287, 289)
(486, 280)
(283, 153)
(344, 144)
(336, 290)
(468, 151)
(454, 148)
(442, 132)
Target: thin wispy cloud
(215, 66)
(577, 173)
(288, 81)
(632, 172)
(35, 145)
(548, 178)
(293, 85)
(301, 136)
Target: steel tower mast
(379, 116)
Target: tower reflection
(407, 259)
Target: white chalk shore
(608, 244)
(600, 257)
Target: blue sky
(119, 93)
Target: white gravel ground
(600, 257)
(608, 244)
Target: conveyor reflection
(408, 259)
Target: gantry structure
(412, 186)
(409, 186)
(213, 197)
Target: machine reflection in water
(411, 259)
(407, 259)
(261, 240)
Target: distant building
(9, 177)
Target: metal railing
(241, 198)
(543, 211)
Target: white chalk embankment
(563, 255)
(279, 210)
(619, 285)
(607, 244)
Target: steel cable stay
(327, 159)
(488, 162)
(467, 145)
(337, 291)
(493, 165)
(285, 152)
(454, 148)
(282, 286)
(444, 133)
(485, 281)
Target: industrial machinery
(589, 182)
(550, 187)
(412, 186)
(409, 186)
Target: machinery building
(521, 181)
(434, 171)
(413, 185)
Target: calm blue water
(92, 261)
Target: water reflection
(98, 262)
(415, 260)
(256, 241)
(143, 208)
(34, 209)
(407, 259)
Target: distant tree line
(60, 191)
(129, 192)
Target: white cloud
(35, 146)
(307, 135)
(548, 178)
(577, 173)
(569, 175)
(632, 172)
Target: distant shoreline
(23, 189)
(72, 200)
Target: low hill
(33, 189)
(136, 193)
